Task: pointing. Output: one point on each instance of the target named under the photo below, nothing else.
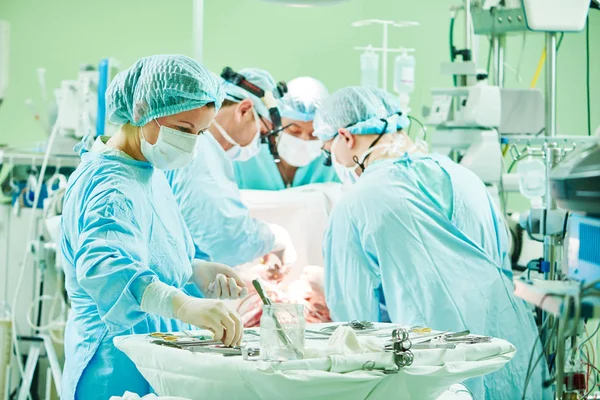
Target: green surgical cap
(159, 86)
(361, 110)
(258, 77)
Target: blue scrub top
(418, 241)
(261, 173)
(121, 230)
(212, 207)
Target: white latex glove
(218, 281)
(212, 315)
(170, 302)
(284, 248)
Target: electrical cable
(565, 221)
(590, 364)
(560, 39)
(451, 43)
(538, 70)
(590, 336)
(587, 75)
(561, 338)
(530, 369)
(590, 286)
(540, 66)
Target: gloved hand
(212, 315)
(284, 248)
(170, 302)
(218, 281)
(275, 270)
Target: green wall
(62, 34)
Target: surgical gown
(418, 241)
(212, 208)
(261, 173)
(121, 230)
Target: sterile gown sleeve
(111, 265)
(210, 202)
(349, 265)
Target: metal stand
(8, 376)
(552, 152)
(32, 361)
(499, 50)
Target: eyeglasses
(327, 154)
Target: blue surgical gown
(261, 173)
(418, 241)
(210, 203)
(121, 230)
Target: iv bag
(532, 178)
(404, 73)
(369, 68)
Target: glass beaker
(282, 332)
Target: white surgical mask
(242, 153)
(298, 152)
(348, 175)
(173, 149)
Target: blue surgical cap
(361, 110)
(305, 95)
(158, 86)
(258, 77)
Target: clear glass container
(282, 332)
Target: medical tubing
(30, 233)
(54, 323)
(57, 322)
(423, 129)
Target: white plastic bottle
(404, 77)
(532, 180)
(369, 68)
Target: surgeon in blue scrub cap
(206, 191)
(300, 152)
(416, 239)
(128, 253)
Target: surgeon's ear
(347, 137)
(244, 110)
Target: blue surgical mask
(173, 149)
